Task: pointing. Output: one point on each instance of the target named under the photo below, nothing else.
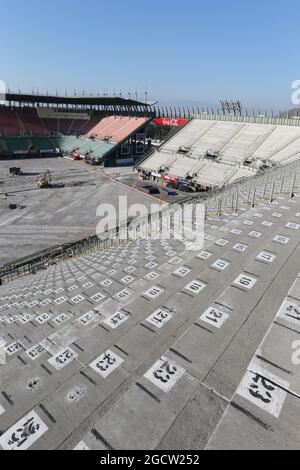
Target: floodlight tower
(230, 106)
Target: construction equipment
(14, 171)
(44, 180)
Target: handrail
(31, 264)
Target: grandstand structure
(214, 151)
(147, 344)
(108, 130)
(139, 337)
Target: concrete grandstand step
(151, 329)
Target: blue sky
(183, 51)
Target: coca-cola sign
(171, 122)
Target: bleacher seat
(9, 123)
(240, 145)
(152, 345)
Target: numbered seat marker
(255, 234)
(165, 374)
(266, 257)
(159, 318)
(153, 293)
(63, 359)
(98, 297)
(127, 279)
(151, 276)
(117, 319)
(60, 319)
(87, 318)
(123, 295)
(245, 282)
(24, 433)
(220, 265)
(195, 286)
(290, 311)
(259, 387)
(106, 363)
(267, 224)
(214, 317)
(36, 352)
(240, 248)
(222, 242)
(204, 255)
(293, 226)
(14, 348)
(281, 240)
(182, 272)
(106, 283)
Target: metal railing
(246, 193)
(275, 121)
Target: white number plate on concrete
(220, 265)
(87, 318)
(255, 234)
(154, 292)
(61, 319)
(266, 257)
(130, 270)
(204, 255)
(222, 242)
(43, 318)
(106, 363)
(290, 311)
(267, 224)
(78, 299)
(159, 318)
(63, 359)
(35, 352)
(175, 261)
(25, 319)
(116, 319)
(127, 279)
(98, 297)
(24, 434)
(151, 276)
(258, 386)
(195, 287)
(240, 247)
(165, 374)
(123, 295)
(282, 240)
(245, 282)
(14, 348)
(293, 226)
(214, 317)
(182, 272)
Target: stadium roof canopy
(73, 100)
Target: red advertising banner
(170, 122)
(170, 179)
(76, 156)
